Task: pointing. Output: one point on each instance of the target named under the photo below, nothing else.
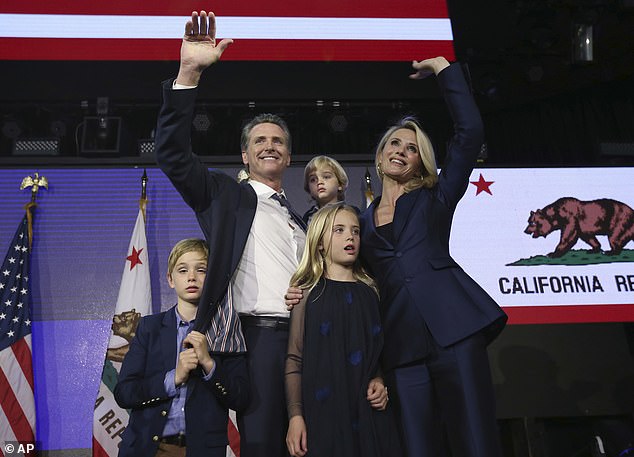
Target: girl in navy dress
(335, 396)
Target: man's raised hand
(199, 49)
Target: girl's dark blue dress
(329, 366)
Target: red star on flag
(135, 257)
(482, 185)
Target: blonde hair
(183, 247)
(327, 162)
(312, 266)
(429, 173)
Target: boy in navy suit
(179, 393)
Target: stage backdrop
(83, 225)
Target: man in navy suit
(179, 394)
(255, 238)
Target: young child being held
(336, 398)
(326, 181)
(179, 393)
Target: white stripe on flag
(236, 27)
(5, 426)
(20, 386)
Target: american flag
(17, 403)
(306, 30)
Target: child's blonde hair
(183, 247)
(327, 162)
(312, 266)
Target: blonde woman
(438, 321)
(336, 399)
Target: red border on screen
(569, 314)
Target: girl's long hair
(313, 264)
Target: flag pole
(17, 399)
(34, 183)
(143, 200)
(368, 192)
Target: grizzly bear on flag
(584, 220)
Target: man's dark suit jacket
(420, 283)
(224, 208)
(140, 388)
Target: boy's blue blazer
(140, 388)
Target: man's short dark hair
(264, 118)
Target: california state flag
(135, 300)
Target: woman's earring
(380, 170)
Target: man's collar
(262, 189)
